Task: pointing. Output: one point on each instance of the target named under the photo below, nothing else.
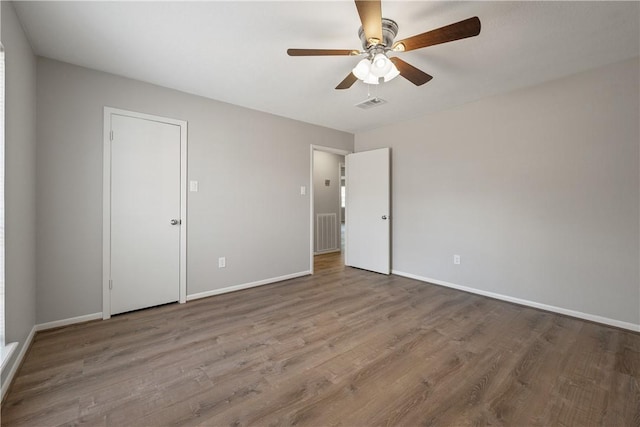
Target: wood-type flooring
(342, 347)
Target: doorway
(144, 218)
(326, 206)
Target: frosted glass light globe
(392, 74)
(380, 65)
(362, 69)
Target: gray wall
(326, 199)
(250, 166)
(20, 178)
(537, 190)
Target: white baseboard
(17, 362)
(66, 322)
(246, 285)
(552, 308)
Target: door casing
(106, 202)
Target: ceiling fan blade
(321, 52)
(409, 72)
(460, 30)
(347, 82)
(370, 12)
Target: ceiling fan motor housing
(389, 31)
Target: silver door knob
(176, 221)
(384, 217)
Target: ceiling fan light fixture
(371, 79)
(392, 74)
(380, 61)
(362, 69)
(380, 65)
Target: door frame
(342, 218)
(106, 201)
(313, 148)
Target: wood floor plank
(341, 347)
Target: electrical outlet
(222, 262)
(456, 259)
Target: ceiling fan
(377, 35)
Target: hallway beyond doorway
(326, 262)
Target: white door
(145, 200)
(368, 211)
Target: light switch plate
(303, 190)
(193, 186)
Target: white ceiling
(236, 51)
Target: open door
(368, 220)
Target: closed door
(368, 211)
(145, 213)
